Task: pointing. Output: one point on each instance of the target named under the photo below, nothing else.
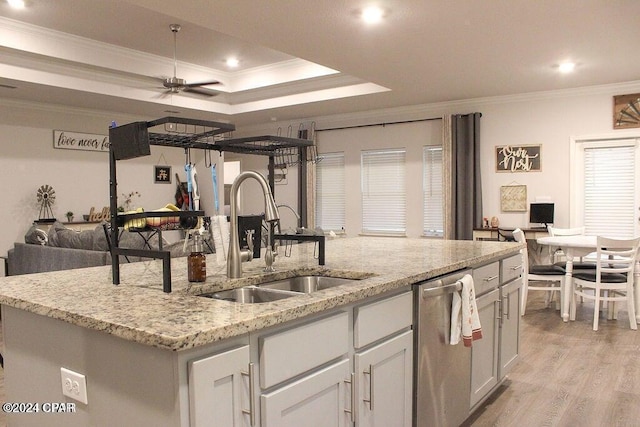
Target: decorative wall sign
(162, 174)
(518, 158)
(626, 111)
(80, 141)
(513, 198)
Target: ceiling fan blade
(200, 91)
(209, 83)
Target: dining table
(576, 247)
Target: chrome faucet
(236, 256)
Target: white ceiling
(308, 58)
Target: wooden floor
(569, 375)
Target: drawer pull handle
(516, 267)
(252, 402)
(351, 412)
(370, 400)
(490, 278)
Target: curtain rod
(382, 124)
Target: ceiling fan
(175, 84)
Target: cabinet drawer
(511, 268)
(297, 350)
(486, 277)
(379, 319)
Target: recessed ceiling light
(16, 4)
(566, 67)
(372, 14)
(233, 62)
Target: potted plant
(69, 216)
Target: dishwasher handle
(442, 290)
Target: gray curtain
(466, 187)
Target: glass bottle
(197, 262)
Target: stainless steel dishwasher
(442, 386)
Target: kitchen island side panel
(127, 383)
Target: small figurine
(494, 222)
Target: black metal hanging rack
(134, 140)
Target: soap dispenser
(197, 261)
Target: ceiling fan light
(566, 67)
(372, 14)
(16, 4)
(232, 62)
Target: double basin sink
(279, 289)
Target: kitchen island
(135, 343)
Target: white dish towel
(465, 321)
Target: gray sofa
(25, 258)
(67, 249)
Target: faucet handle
(249, 234)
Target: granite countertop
(138, 310)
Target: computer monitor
(541, 213)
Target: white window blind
(432, 190)
(383, 191)
(609, 191)
(330, 206)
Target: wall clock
(626, 111)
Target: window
(609, 189)
(432, 191)
(383, 192)
(330, 192)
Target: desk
(492, 233)
(575, 247)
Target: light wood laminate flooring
(569, 375)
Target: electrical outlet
(74, 385)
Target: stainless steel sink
(278, 289)
(250, 295)
(306, 284)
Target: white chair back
(554, 231)
(616, 256)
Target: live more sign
(80, 141)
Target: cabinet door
(510, 327)
(218, 390)
(317, 400)
(484, 353)
(384, 383)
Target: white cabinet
(494, 355)
(349, 367)
(219, 390)
(317, 400)
(384, 383)
(484, 353)
(510, 327)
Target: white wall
(548, 118)
(79, 178)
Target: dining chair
(611, 281)
(548, 277)
(579, 264)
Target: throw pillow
(35, 236)
(99, 239)
(63, 237)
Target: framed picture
(162, 174)
(518, 158)
(626, 111)
(513, 198)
